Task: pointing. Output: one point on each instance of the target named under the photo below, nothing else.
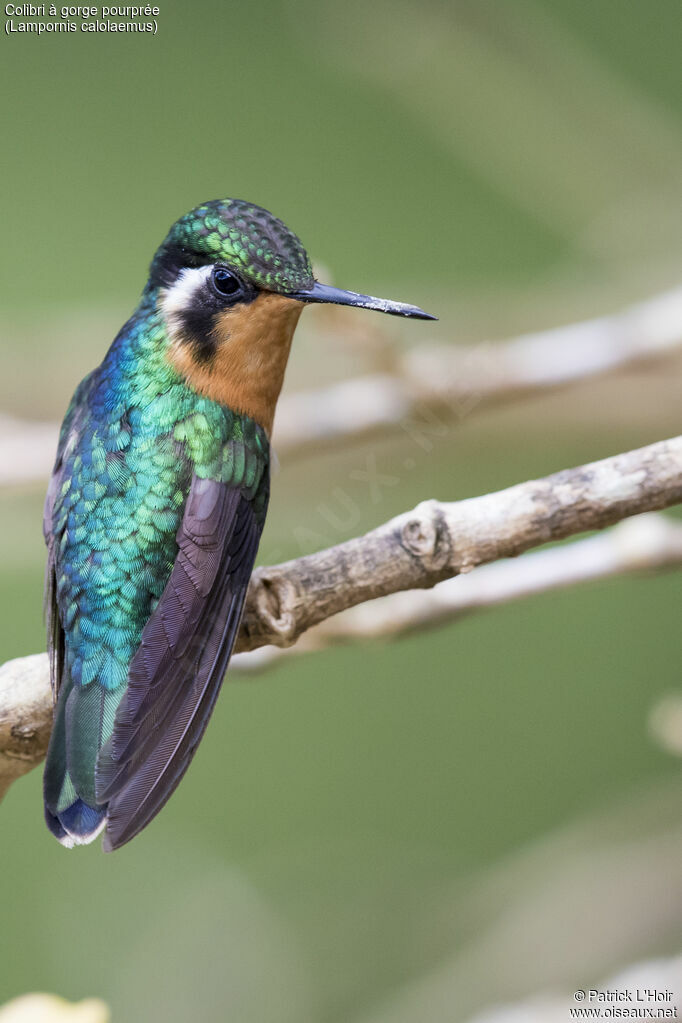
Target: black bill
(337, 296)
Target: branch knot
(425, 535)
(272, 601)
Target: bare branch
(435, 541)
(462, 379)
(416, 550)
(468, 378)
(648, 542)
(25, 716)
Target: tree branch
(416, 550)
(461, 379)
(649, 542)
(25, 716)
(469, 378)
(435, 541)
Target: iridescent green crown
(241, 235)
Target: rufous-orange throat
(252, 344)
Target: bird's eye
(227, 284)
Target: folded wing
(176, 673)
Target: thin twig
(463, 379)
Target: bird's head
(231, 281)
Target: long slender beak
(336, 296)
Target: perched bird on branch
(155, 510)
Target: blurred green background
(390, 832)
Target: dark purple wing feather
(175, 676)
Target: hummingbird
(155, 509)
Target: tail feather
(82, 722)
(55, 825)
(78, 824)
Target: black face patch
(168, 262)
(196, 324)
(197, 329)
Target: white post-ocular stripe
(177, 299)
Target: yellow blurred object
(51, 1009)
